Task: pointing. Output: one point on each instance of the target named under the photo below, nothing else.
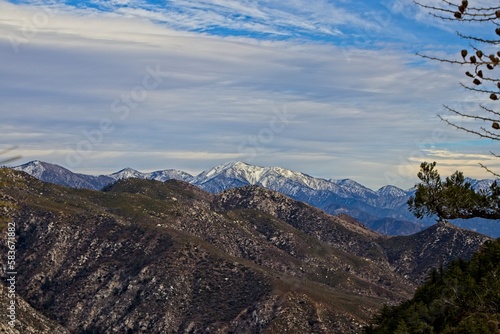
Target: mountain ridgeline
(384, 210)
(143, 256)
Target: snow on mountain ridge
(127, 173)
(265, 176)
(276, 178)
(160, 175)
(391, 191)
(59, 175)
(386, 207)
(480, 185)
(168, 174)
(352, 187)
(34, 168)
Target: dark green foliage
(452, 198)
(465, 298)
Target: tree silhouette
(452, 197)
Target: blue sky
(329, 88)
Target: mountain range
(145, 256)
(384, 210)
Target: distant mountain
(59, 175)
(161, 175)
(384, 210)
(161, 257)
(128, 173)
(62, 176)
(391, 191)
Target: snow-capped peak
(160, 175)
(236, 169)
(270, 177)
(168, 174)
(127, 173)
(232, 165)
(391, 191)
(480, 185)
(34, 168)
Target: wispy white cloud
(450, 161)
(455, 156)
(353, 21)
(354, 112)
(252, 16)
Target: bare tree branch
(456, 126)
(470, 116)
(483, 58)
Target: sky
(333, 89)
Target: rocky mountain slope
(384, 210)
(27, 319)
(166, 257)
(413, 255)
